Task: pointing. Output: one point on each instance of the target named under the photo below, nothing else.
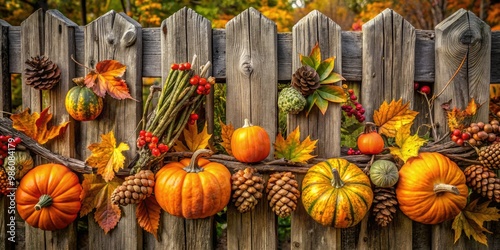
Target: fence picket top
(388, 61)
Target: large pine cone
(42, 73)
(134, 189)
(384, 205)
(306, 80)
(489, 156)
(282, 193)
(484, 181)
(247, 186)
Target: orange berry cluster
(152, 141)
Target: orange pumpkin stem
(336, 181)
(441, 187)
(370, 127)
(44, 201)
(193, 164)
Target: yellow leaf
(409, 145)
(193, 139)
(292, 149)
(226, 134)
(471, 221)
(390, 117)
(106, 157)
(35, 125)
(461, 119)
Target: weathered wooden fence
(250, 56)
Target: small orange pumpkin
(431, 188)
(250, 143)
(48, 197)
(193, 188)
(370, 142)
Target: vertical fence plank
(185, 34)
(59, 45)
(316, 28)
(32, 38)
(116, 36)
(388, 73)
(5, 105)
(462, 35)
(252, 76)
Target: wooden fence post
(183, 35)
(252, 77)
(462, 36)
(316, 28)
(119, 37)
(388, 72)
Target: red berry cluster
(353, 152)
(181, 66)
(193, 118)
(203, 85)
(354, 108)
(6, 142)
(460, 137)
(424, 88)
(152, 141)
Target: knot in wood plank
(129, 37)
(245, 65)
(469, 37)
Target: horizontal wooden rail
(351, 54)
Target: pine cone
(489, 156)
(247, 186)
(282, 193)
(384, 205)
(306, 80)
(42, 73)
(134, 189)
(4, 182)
(484, 181)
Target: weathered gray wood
(310, 30)
(388, 70)
(388, 53)
(351, 46)
(252, 76)
(115, 36)
(183, 35)
(462, 34)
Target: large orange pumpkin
(193, 188)
(336, 193)
(48, 197)
(431, 188)
(250, 143)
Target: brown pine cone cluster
(247, 186)
(484, 181)
(489, 156)
(134, 189)
(282, 193)
(384, 205)
(42, 73)
(306, 80)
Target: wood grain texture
(115, 36)
(182, 36)
(316, 28)
(5, 87)
(252, 76)
(462, 35)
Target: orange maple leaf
(461, 119)
(96, 194)
(390, 117)
(193, 139)
(35, 125)
(148, 215)
(226, 134)
(293, 149)
(106, 156)
(106, 78)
